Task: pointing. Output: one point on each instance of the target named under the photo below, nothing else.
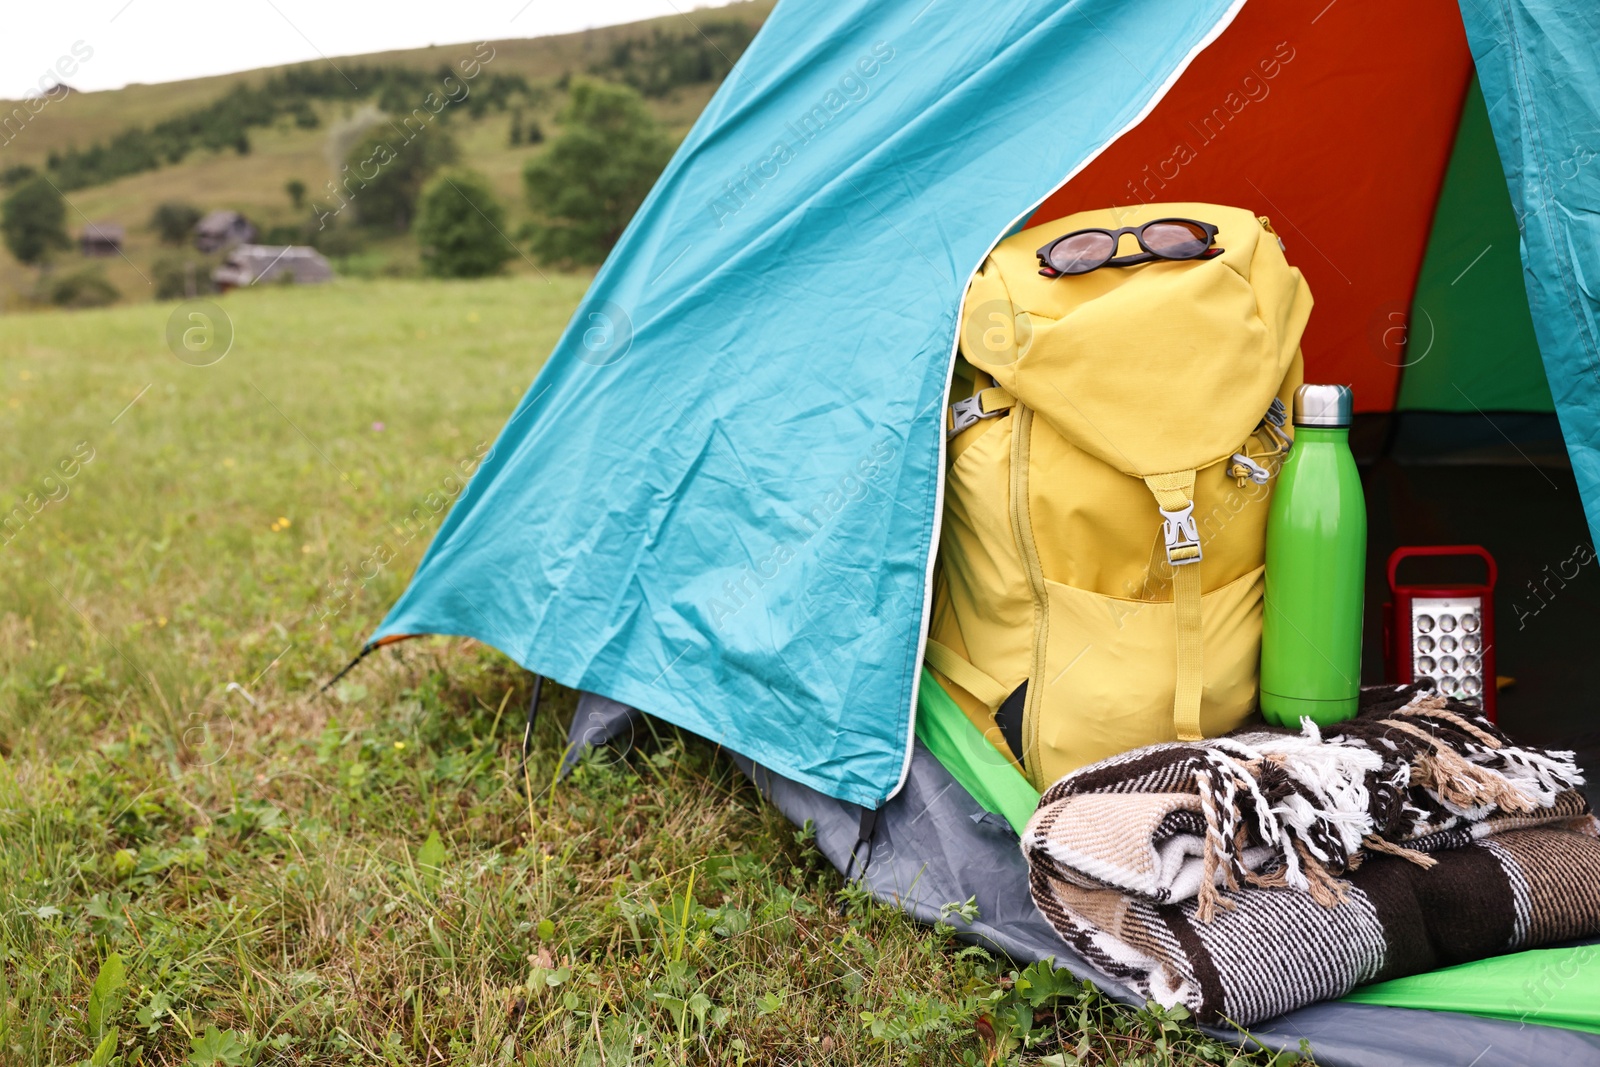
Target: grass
(254, 183)
(203, 861)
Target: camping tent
(719, 501)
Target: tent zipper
(955, 347)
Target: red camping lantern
(1443, 632)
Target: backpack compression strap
(1174, 495)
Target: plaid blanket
(1249, 875)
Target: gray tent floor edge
(934, 845)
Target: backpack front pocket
(1109, 671)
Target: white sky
(169, 40)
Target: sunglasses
(1082, 251)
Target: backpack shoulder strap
(959, 670)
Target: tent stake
(527, 732)
(348, 667)
(869, 824)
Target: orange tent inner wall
(1335, 123)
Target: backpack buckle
(1182, 538)
(966, 413)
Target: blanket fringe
(1305, 809)
(1327, 888)
(1456, 779)
(1379, 844)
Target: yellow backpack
(1110, 452)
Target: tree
(33, 220)
(297, 192)
(591, 179)
(660, 63)
(384, 173)
(174, 221)
(461, 227)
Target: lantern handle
(1408, 551)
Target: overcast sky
(168, 40)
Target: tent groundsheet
(934, 845)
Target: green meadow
(205, 860)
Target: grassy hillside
(85, 117)
(290, 878)
(254, 183)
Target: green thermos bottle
(1316, 569)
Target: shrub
(284, 235)
(461, 227)
(304, 116)
(337, 242)
(182, 274)
(86, 287)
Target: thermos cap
(1323, 405)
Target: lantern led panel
(1448, 646)
(1443, 632)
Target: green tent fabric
(1471, 344)
(1548, 987)
(971, 760)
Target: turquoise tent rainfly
(717, 501)
(1536, 60)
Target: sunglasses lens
(1176, 240)
(1079, 252)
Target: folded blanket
(1249, 875)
